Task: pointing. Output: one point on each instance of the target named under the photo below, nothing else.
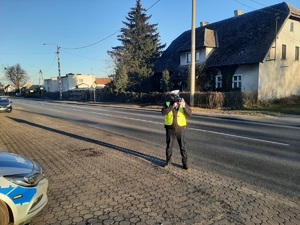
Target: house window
(297, 53)
(283, 54)
(189, 57)
(292, 27)
(219, 81)
(237, 81)
(197, 56)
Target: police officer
(175, 112)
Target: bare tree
(16, 75)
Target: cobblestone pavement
(96, 177)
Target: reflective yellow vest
(181, 119)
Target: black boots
(185, 166)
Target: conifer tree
(121, 79)
(165, 81)
(139, 50)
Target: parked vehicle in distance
(5, 104)
(23, 189)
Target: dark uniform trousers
(179, 134)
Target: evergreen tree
(165, 81)
(139, 50)
(121, 80)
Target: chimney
(238, 13)
(202, 24)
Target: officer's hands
(175, 105)
(182, 103)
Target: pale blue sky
(25, 25)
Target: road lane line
(213, 132)
(201, 130)
(237, 136)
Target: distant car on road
(5, 104)
(23, 189)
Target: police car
(23, 189)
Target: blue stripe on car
(6, 190)
(26, 193)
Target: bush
(250, 99)
(216, 100)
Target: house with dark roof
(256, 51)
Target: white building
(69, 82)
(51, 85)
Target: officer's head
(174, 95)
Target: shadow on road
(152, 159)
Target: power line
(268, 7)
(244, 4)
(261, 9)
(268, 12)
(51, 64)
(80, 56)
(20, 53)
(152, 5)
(257, 2)
(86, 46)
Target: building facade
(255, 51)
(69, 82)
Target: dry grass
(287, 105)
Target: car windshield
(3, 100)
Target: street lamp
(58, 67)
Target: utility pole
(58, 67)
(193, 47)
(59, 77)
(40, 77)
(95, 85)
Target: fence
(212, 100)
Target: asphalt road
(105, 163)
(262, 154)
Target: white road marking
(201, 130)
(237, 136)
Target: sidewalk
(97, 178)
